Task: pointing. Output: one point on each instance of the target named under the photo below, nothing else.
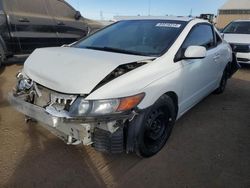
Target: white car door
(222, 54)
(199, 75)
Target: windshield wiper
(110, 49)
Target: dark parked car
(29, 24)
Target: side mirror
(78, 15)
(195, 52)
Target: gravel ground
(209, 147)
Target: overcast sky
(97, 9)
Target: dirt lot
(209, 147)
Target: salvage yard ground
(209, 147)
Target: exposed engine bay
(119, 71)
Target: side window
(200, 35)
(61, 9)
(27, 6)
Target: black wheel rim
(157, 130)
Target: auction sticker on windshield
(173, 25)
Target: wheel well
(174, 97)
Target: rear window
(61, 9)
(26, 6)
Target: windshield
(138, 37)
(238, 28)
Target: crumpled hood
(237, 38)
(73, 70)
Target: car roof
(174, 18)
(242, 20)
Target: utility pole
(101, 15)
(149, 7)
(191, 12)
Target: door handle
(60, 23)
(23, 20)
(216, 57)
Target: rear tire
(155, 127)
(223, 83)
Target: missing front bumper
(71, 130)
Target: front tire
(156, 127)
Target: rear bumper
(72, 131)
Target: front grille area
(46, 97)
(243, 59)
(244, 48)
(43, 97)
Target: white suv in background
(123, 88)
(237, 33)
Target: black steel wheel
(156, 127)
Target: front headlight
(82, 107)
(23, 83)
(104, 106)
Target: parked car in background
(237, 34)
(123, 88)
(29, 24)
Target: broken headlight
(82, 107)
(23, 83)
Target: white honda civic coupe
(123, 87)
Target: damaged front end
(99, 123)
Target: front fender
(169, 83)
